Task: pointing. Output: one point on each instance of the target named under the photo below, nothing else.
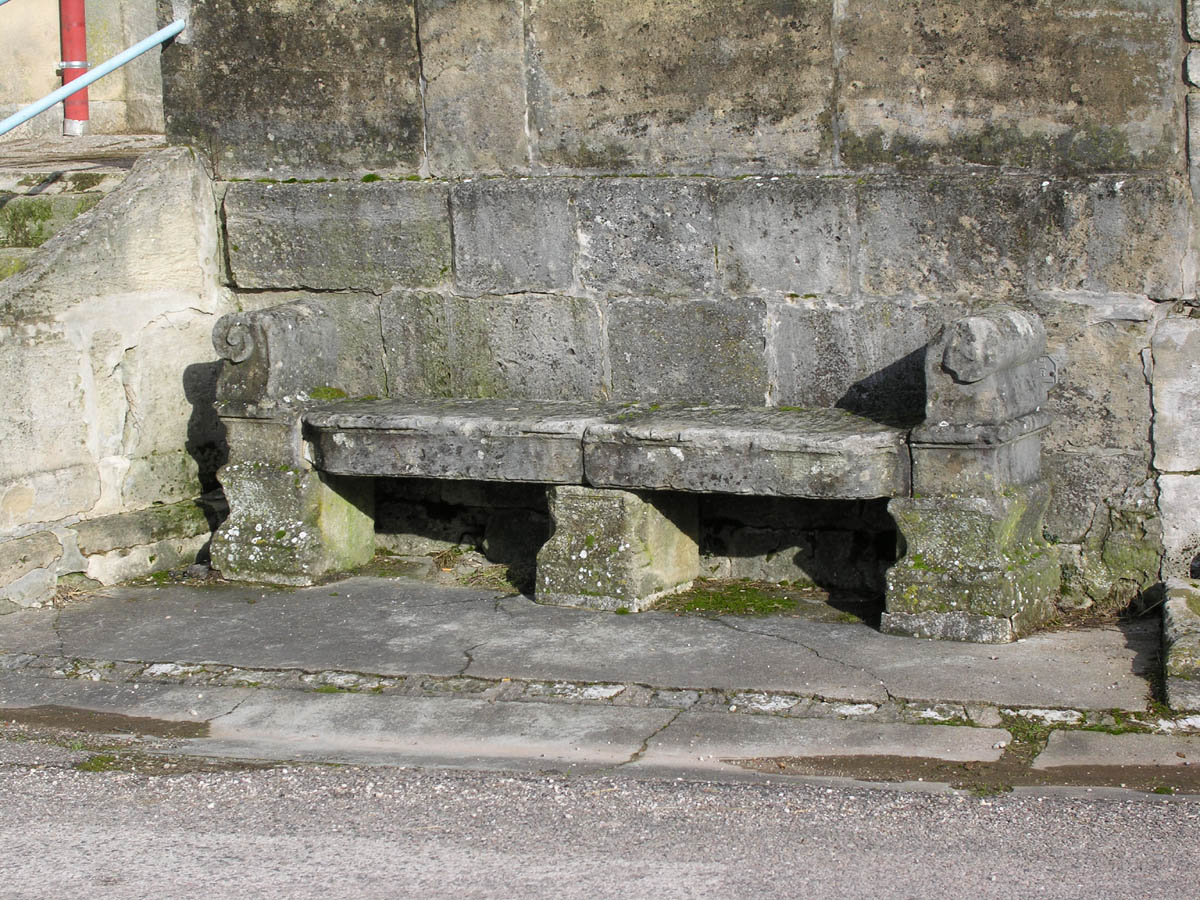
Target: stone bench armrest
(986, 370)
(276, 357)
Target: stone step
(47, 183)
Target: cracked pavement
(403, 672)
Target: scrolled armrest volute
(275, 356)
(978, 346)
(987, 369)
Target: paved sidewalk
(404, 672)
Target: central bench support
(614, 549)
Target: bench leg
(614, 549)
(976, 567)
(288, 523)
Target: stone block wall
(749, 201)
(105, 351)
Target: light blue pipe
(24, 115)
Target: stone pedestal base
(975, 568)
(614, 549)
(1181, 645)
(288, 526)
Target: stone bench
(965, 487)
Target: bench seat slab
(485, 440)
(814, 453)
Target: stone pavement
(403, 672)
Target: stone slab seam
(632, 694)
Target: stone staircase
(46, 183)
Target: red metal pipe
(73, 28)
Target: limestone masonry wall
(745, 201)
(107, 426)
(756, 201)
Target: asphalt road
(321, 831)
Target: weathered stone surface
(1102, 399)
(525, 346)
(975, 347)
(318, 346)
(1193, 141)
(488, 440)
(1002, 236)
(513, 235)
(274, 441)
(155, 234)
(116, 566)
(342, 236)
(948, 237)
(1176, 392)
(945, 460)
(793, 453)
(668, 86)
(711, 351)
(1120, 234)
(291, 526)
(46, 471)
(33, 589)
(950, 626)
(1181, 644)
(616, 549)
(1084, 483)
(21, 556)
(1192, 72)
(1178, 500)
(14, 259)
(1087, 748)
(170, 423)
(962, 533)
(866, 357)
(99, 333)
(1121, 553)
(472, 60)
(985, 370)
(647, 236)
(936, 85)
(48, 495)
(791, 236)
(1192, 19)
(1097, 448)
(133, 529)
(317, 87)
(975, 568)
(276, 355)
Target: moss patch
(11, 266)
(325, 392)
(725, 597)
(98, 762)
(30, 221)
(84, 181)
